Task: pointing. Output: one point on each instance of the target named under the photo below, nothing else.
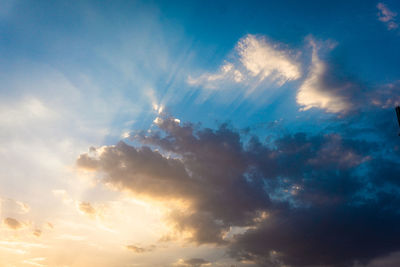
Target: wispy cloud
(8, 205)
(255, 60)
(35, 261)
(265, 60)
(387, 16)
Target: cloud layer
(300, 200)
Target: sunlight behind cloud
(255, 60)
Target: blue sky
(294, 97)
(124, 47)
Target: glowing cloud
(266, 60)
(321, 89)
(255, 60)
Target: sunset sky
(199, 133)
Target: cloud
(386, 96)
(331, 89)
(391, 260)
(138, 249)
(327, 236)
(8, 205)
(333, 151)
(86, 208)
(387, 16)
(255, 60)
(258, 64)
(203, 180)
(299, 199)
(265, 60)
(194, 262)
(35, 261)
(226, 73)
(12, 223)
(37, 232)
(325, 88)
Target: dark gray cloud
(323, 235)
(305, 200)
(209, 174)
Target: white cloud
(265, 60)
(387, 16)
(255, 60)
(314, 93)
(226, 73)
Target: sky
(199, 133)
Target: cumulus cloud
(387, 16)
(324, 83)
(300, 200)
(254, 61)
